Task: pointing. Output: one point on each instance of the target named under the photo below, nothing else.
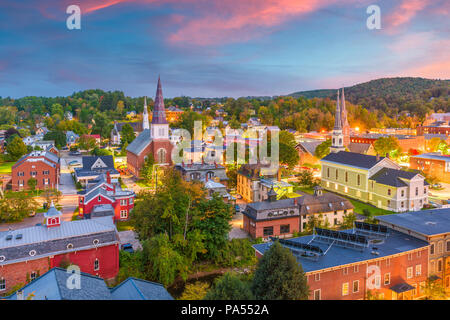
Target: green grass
(308, 190)
(124, 226)
(6, 167)
(143, 184)
(75, 214)
(360, 206)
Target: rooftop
(393, 177)
(433, 156)
(426, 222)
(353, 159)
(336, 256)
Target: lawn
(359, 206)
(124, 226)
(5, 167)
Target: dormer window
(99, 198)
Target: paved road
(66, 184)
(130, 236)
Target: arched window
(161, 155)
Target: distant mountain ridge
(387, 93)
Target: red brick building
(92, 245)
(406, 142)
(106, 199)
(433, 164)
(395, 268)
(41, 165)
(154, 139)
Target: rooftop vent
(19, 236)
(9, 237)
(430, 223)
(375, 253)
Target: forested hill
(392, 93)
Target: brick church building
(154, 138)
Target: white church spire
(145, 122)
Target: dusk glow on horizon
(216, 48)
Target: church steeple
(344, 120)
(159, 111)
(337, 137)
(145, 123)
(159, 127)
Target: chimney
(108, 177)
(19, 295)
(295, 201)
(206, 177)
(114, 189)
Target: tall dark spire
(159, 112)
(337, 118)
(344, 119)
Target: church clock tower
(337, 137)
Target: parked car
(75, 153)
(127, 247)
(75, 163)
(32, 214)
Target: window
(328, 172)
(409, 256)
(403, 193)
(345, 289)
(346, 176)
(448, 245)
(417, 191)
(46, 172)
(356, 269)
(123, 214)
(355, 286)
(345, 271)
(419, 254)
(402, 204)
(389, 192)
(387, 279)
(161, 156)
(268, 231)
(432, 267)
(285, 228)
(359, 180)
(337, 175)
(439, 266)
(33, 275)
(415, 289)
(20, 174)
(424, 190)
(130, 201)
(99, 198)
(418, 270)
(409, 272)
(432, 248)
(123, 202)
(316, 294)
(2, 284)
(317, 277)
(440, 247)
(96, 265)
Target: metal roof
(426, 222)
(336, 256)
(140, 143)
(353, 159)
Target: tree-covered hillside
(393, 95)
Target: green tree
(15, 206)
(16, 148)
(387, 145)
(195, 291)
(229, 287)
(305, 178)
(279, 276)
(32, 183)
(213, 220)
(147, 171)
(127, 134)
(58, 136)
(434, 290)
(323, 149)
(87, 143)
(348, 220)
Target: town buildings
(432, 226)
(91, 244)
(248, 180)
(53, 286)
(432, 164)
(93, 167)
(71, 138)
(154, 139)
(43, 166)
(106, 199)
(201, 171)
(352, 264)
(278, 218)
(375, 180)
(306, 151)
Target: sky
(217, 48)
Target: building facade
(43, 166)
(26, 253)
(154, 139)
(433, 164)
(375, 180)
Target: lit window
(418, 270)
(317, 277)
(316, 294)
(409, 272)
(355, 286)
(96, 265)
(345, 289)
(387, 279)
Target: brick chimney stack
(295, 201)
(108, 177)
